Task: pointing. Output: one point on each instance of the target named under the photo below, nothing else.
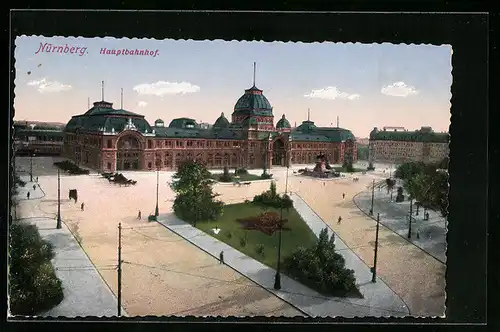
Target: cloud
(142, 104)
(162, 88)
(399, 89)
(49, 86)
(331, 93)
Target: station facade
(109, 139)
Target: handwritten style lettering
(125, 51)
(49, 48)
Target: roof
(223, 133)
(49, 133)
(182, 123)
(422, 135)
(109, 111)
(283, 123)
(306, 126)
(253, 102)
(307, 131)
(98, 122)
(221, 122)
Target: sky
(365, 85)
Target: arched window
(128, 143)
(218, 159)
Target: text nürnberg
(125, 51)
(49, 48)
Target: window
(109, 144)
(150, 144)
(109, 166)
(150, 165)
(190, 143)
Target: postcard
(229, 178)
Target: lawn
(241, 178)
(341, 169)
(299, 234)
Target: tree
(323, 269)
(347, 164)
(33, 285)
(363, 152)
(195, 199)
(390, 184)
(430, 189)
(225, 177)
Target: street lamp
(31, 166)
(58, 199)
(374, 268)
(157, 213)
(277, 278)
(373, 194)
(411, 213)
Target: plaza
(163, 274)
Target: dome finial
(222, 114)
(283, 117)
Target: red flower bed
(267, 223)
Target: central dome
(253, 102)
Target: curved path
(162, 273)
(414, 275)
(85, 292)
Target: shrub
(247, 201)
(259, 249)
(151, 217)
(225, 178)
(241, 171)
(243, 241)
(322, 269)
(229, 234)
(71, 168)
(266, 176)
(33, 285)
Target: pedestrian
(323, 184)
(37, 179)
(139, 215)
(339, 220)
(221, 257)
(418, 233)
(82, 206)
(28, 195)
(343, 195)
(34, 186)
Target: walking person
(36, 179)
(339, 220)
(28, 195)
(221, 257)
(34, 187)
(343, 195)
(418, 233)
(82, 206)
(139, 215)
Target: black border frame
(468, 35)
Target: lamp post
(58, 200)
(373, 194)
(157, 212)
(31, 166)
(277, 278)
(411, 213)
(374, 268)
